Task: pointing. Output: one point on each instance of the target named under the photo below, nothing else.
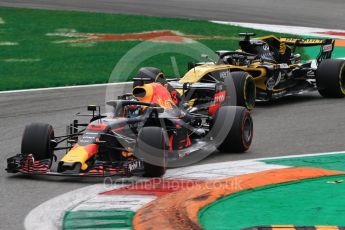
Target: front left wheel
(37, 139)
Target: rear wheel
(330, 78)
(151, 147)
(245, 89)
(240, 136)
(37, 139)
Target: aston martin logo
(154, 36)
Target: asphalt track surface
(294, 125)
(313, 13)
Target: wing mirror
(206, 57)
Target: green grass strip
(331, 162)
(100, 219)
(29, 58)
(305, 203)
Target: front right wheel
(243, 85)
(151, 148)
(240, 135)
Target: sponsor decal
(302, 41)
(134, 165)
(275, 80)
(284, 66)
(327, 48)
(266, 48)
(270, 84)
(225, 74)
(219, 97)
(88, 138)
(155, 36)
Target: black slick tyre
(244, 87)
(330, 78)
(240, 136)
(37, 141)
(149, 75)
(151, 147)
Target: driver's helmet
(133, 110)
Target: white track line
(296, 30)
(64, 87)
(220, 170)
(49, 215)
(115, 202)
(302, 155)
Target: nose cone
(79, 154)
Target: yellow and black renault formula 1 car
(146, 130)
(271, 64)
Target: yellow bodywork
(77, 154)
(195, 74)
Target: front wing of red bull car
(146, 132)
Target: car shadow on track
(289, 100)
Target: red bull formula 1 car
(152, 127)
